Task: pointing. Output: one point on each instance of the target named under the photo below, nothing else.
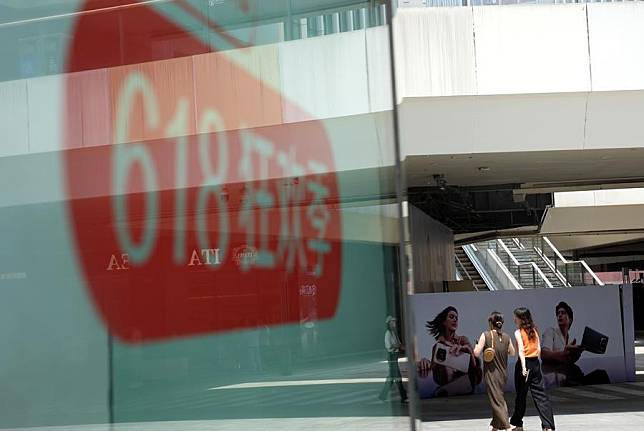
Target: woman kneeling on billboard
(496, 347)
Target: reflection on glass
(198, 195)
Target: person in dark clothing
(527, 373)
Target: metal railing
(336, 20)
(454, 3)
(498, 275)
(520, 273)
(461, 269)
(571, 272)
(527, 274)
(493, 273)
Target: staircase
(521, 263)
(527, 255)
(470, 269)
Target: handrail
(507, 250)
(553, 248)
(543, 276)
(591, 272)
(517, 242)
(553, 266)
(460, 264)
(528, 264)
(558, 257)
(505, 269)
(569, 262)
(470, 250)
(469, 3)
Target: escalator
(520, 263)
(467, 270)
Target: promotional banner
(581, 332)
(193, 183)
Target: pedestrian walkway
(623, 397)
(350, 390)
(357, 392)
(577, 422)
(272, 424)
(346, 398)
(615, 406)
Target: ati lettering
(210, 256)
(205, 256)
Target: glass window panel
(199, 217)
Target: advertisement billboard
(581, 332)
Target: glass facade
(199, 214)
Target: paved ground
(624, 400)
(610, 407)
(580, 422)
(319, 400)
(346, 400)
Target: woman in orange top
(527, 373)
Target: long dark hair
(496, 320)
(527, 324)
(436, 327)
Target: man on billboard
(560, 353)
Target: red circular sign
(195, 206)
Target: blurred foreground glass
(199, 214)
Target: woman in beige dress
(495, 371)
